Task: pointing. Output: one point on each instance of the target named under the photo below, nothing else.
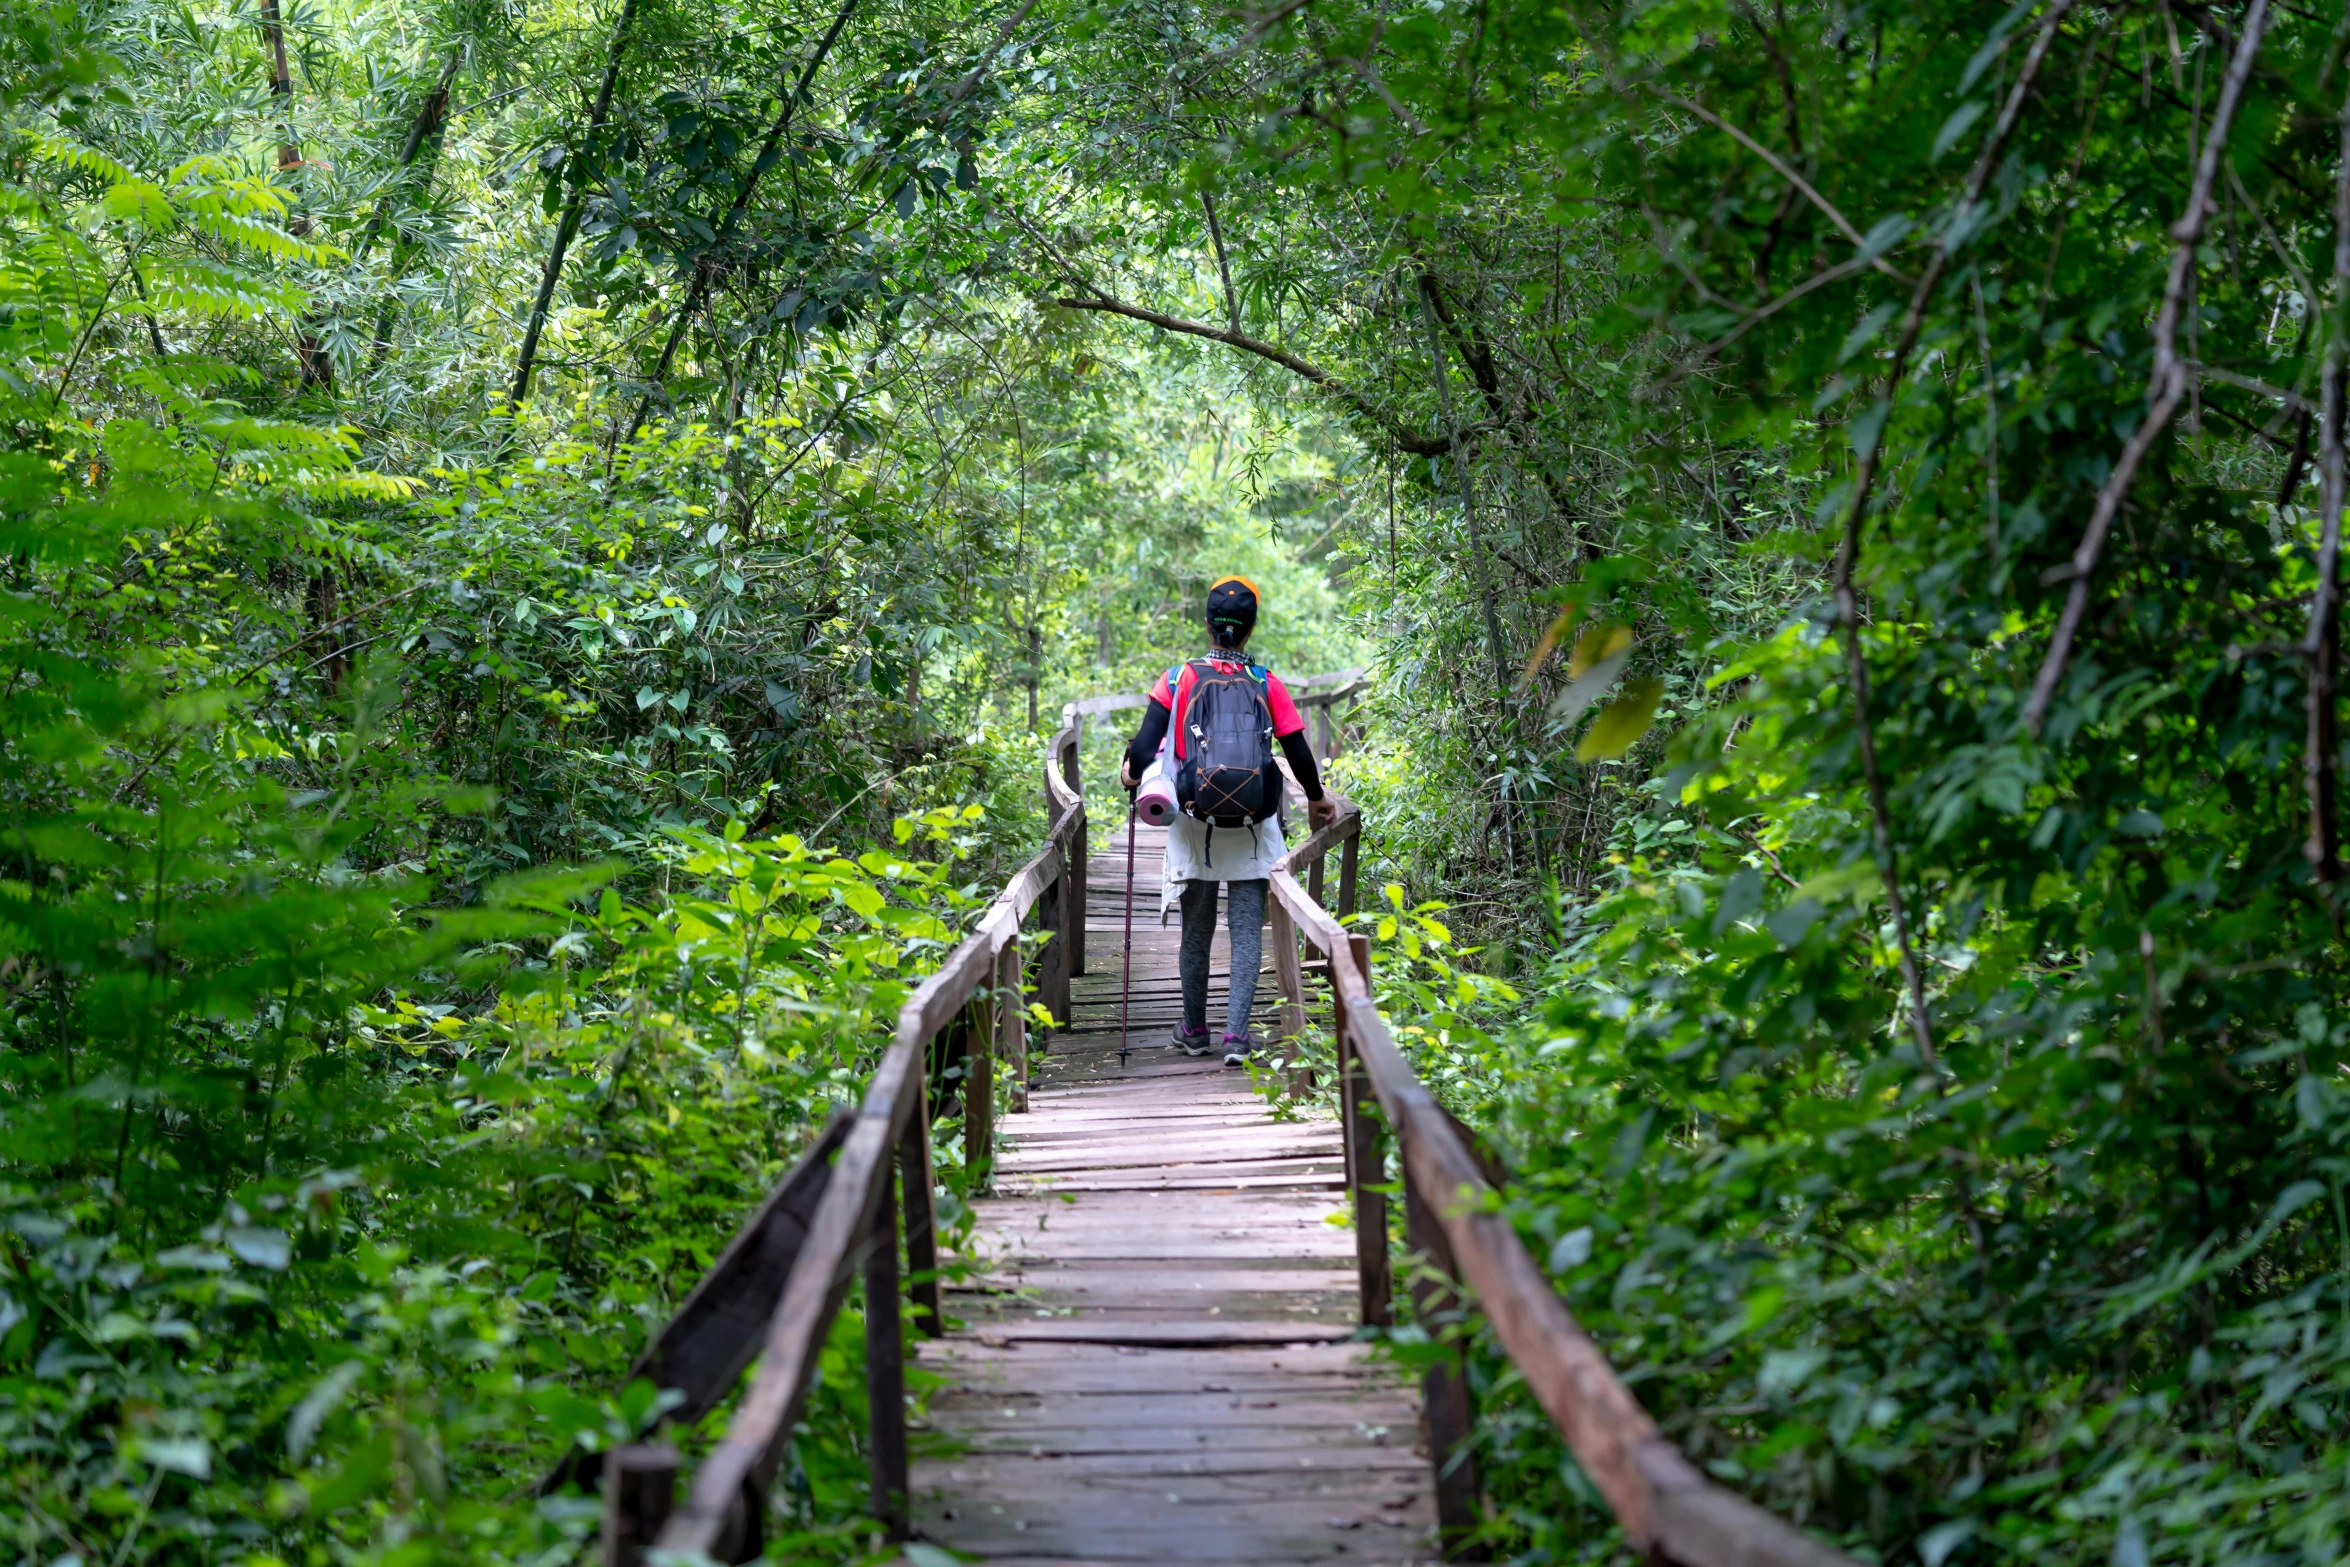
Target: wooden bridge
(1151, 1349)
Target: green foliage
(2038, 1255)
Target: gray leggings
(1247, 905)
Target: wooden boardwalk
(1154, 1362)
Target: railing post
(1080, 873)
(1012, 1021)
(1366, 1163)
(1444, 1391)
(640, 1488)
(1290, 977)
(1052, 967)
(979, 1104)
(1346, 870)
(916, 1181)
(885, 1365)
(1314, 891)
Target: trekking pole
(1126, 948)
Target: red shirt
(1287, 720)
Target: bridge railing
(1472, 1260)
(865, 1186)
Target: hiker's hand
(1126, 778)
(1321, 813)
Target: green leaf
(263, 1248)
(190, 1456)
(1622, 722)
(1956, 126)
(324, 1395)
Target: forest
(544, 541)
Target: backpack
(1227, 778)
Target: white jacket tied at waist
(1199, 852)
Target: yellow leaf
(1550, 639)
(1622, 722)
(1596, 646)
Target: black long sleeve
(1301, 762)
(1143, 749)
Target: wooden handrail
(834, 1221)
(1657, 1495)
(722, 1514)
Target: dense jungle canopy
(543, 540)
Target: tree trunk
(432, 119)
(1035, 670)
(704, 265)
(569, 225)
(318, 370)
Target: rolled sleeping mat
(1154, 800)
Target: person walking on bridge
(1211, 724)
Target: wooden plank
(718, 1327)
(1264, 1452)
(1204, 1527)
(1208, 1180)
(1290, 981)
(1173, 1332)
(979, 1098)
(1203, 1145)
(1052, 966)
(1274, 1275)
(971, 1366)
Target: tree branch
(1207, 202)
(1856, 519)
(1406, 440)
(2166, 384)
(704, 269)
(2321, 649)
(1477, 353)
(1779, 166)
(568, 225)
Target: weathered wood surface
(1152, 1363)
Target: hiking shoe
(1192, 1044)
(1236, 1048)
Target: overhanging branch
(1405, 440)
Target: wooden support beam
(1012, 1022)
(1290, 978)
(1052, 966)
(885, 1369)
(640, 1488)
(979, 1100)
(917, 1182)
(1366, 1165)
(1444, 1387)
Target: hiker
(1224, 713)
